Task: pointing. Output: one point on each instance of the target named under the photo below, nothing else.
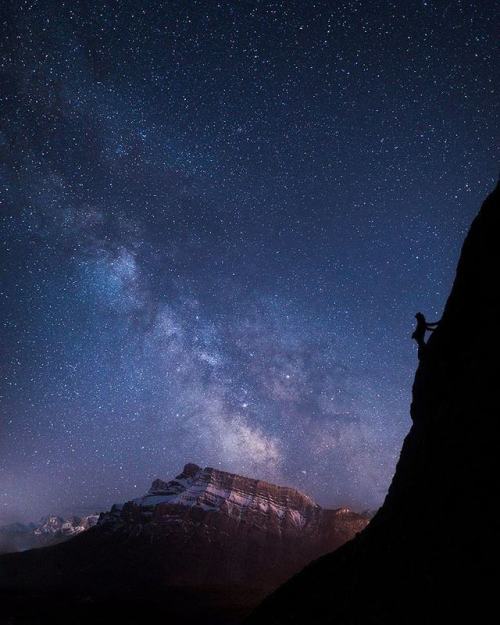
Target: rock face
(223, 539)
(48, 531)
(240, 530)
(430, 553)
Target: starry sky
(218, 220)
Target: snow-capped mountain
(211, 490)
(58, 526)
(237, 524)
(48, 531)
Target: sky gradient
(217, 222)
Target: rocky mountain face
(48, 531)
(235, 526)
(430, 555)
(219, 537)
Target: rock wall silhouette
(430, 555)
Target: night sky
(218, 220)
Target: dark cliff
(430, 554)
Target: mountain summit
(430, 553)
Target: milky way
(218, 220)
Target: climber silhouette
(420, 330)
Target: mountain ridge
(48, 530)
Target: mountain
(236, 527)
(48, 531)
(430, 555)
(208, 544)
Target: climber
(420, 330)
